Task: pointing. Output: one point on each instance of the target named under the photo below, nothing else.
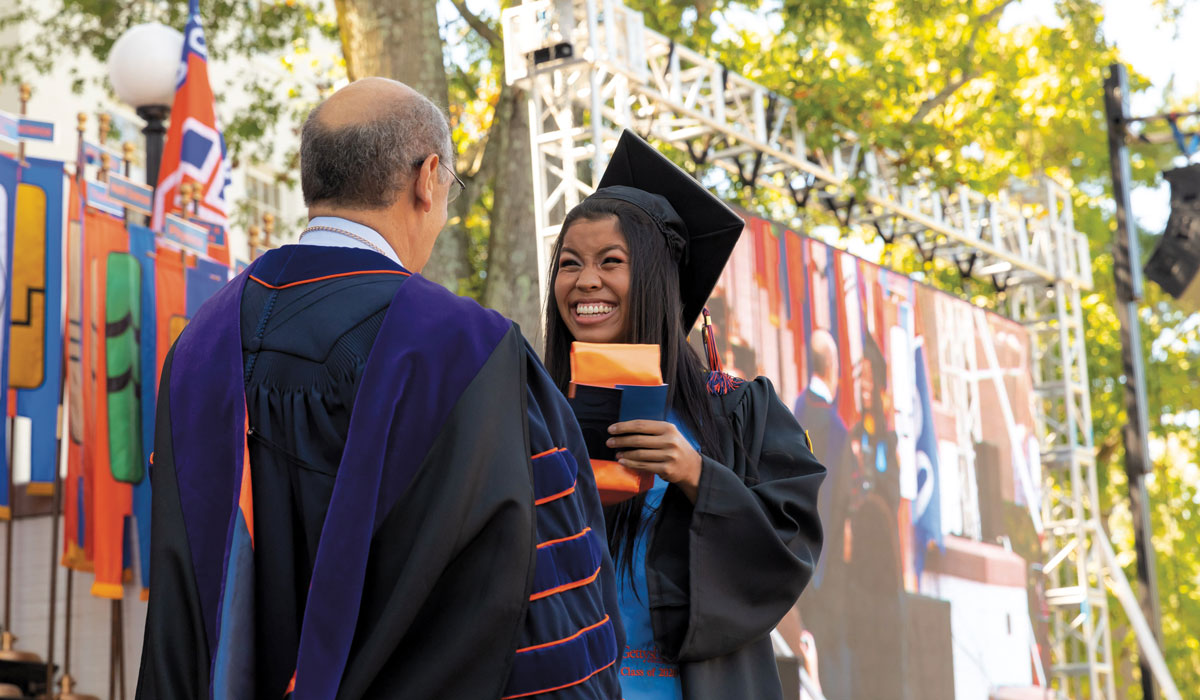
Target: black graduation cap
(701, 230)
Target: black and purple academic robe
(722, 572)
(365, 486)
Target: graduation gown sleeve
(175, 660)
(722, 573)
(571, 635)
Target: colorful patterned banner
(218, 243)
(36, 353)
(8, 197)
(185, 234)
(35, 130)
(137, 197)
(142, 246)
(99, 199)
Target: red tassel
(719, 383)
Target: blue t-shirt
(644, 675)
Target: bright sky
(1155, 51)
(1158, 53)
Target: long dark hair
(655, 312)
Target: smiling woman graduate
(714, 555)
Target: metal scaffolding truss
(591, 69)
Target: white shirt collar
(322, 237)
(818, 387)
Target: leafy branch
(968, 57)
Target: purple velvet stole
(431, 345)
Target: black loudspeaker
(552, 53)
(988, 473)
(929, 649)
(1176, 260)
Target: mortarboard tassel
(719, 383)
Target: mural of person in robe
(932, 400)
(873, 571)
(816, 408)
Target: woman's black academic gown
(721, 573)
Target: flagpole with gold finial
(119, 604)
(116, 657)
(7, 638)
(67, 682)
(186, 191)
(103, 124)
(127, 155)
(127, 150)
(268, 228)
(254, 239)
(26, 92)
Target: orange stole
(608, 365)
(109, 501)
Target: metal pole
(8, 529)
(67, 626)
(120, 640)
(155, 132)
(1141, 629)
(55, 511)
(1127, 270)
(112, 651)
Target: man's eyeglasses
(456, 188)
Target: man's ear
(423, 185)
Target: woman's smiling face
(591, 286)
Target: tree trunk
(400, 39)
(512, 276)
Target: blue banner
(37, 310)
(185, 234)
(141, 246)
(35, 130)
(97, 198)
(203, 281)
(216, 232)
(124, 191)
(8, 196)
(927, 506)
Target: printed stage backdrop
(921, 406)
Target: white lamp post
(142, 67)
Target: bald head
(364, 101)
(360, 148)
(823, 349)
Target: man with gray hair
(365, 486)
